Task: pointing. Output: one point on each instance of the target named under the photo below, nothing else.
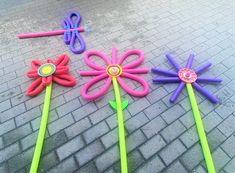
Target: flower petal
(61, 70)
(132, 64)
(62, 60)
(32, 74)
(137, 79)
(46, 80)
(95, 53)
(64, 79)
(35, 64)
(35, 87)
(101, 92)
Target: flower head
(186, 75)
(45, 73)
(115, 69)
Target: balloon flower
(71, 32)
(44, 74)
(188, 77)
(114, 72)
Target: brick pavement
(81, 136)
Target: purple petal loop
(173, 63)
(190, 61)
(208, 80)
(202, 68)
(164, 72)
(166, 79)
(204, 92)
(177, 92)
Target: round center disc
(187, 75)
(114, 70)
(46, 69)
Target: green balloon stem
(121, 128)
(200, 130)
(42, 130)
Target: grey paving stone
(60, 124)
(70, 147)
(134, 140)
(68, 107)
(47, 162)
(7, 126)
(172, 114)
(27, 116)
(9, 151)
(4, 168)
(192, 157)
(228, 146)
(190, 137)
(68, 166)
(152, 146)
(226, 127)
(110, 138)
(136, 122)
(157, 95)
(187, 119)
(100, 114)
(154, 126)
(90, 167)
(225, 109)
(84, 111)
(29, 140)
(138, 106)
(176, 167)
(1, 143)
(153, 166)
(89, 152)
(230, 166)
(172, 131)
(155, 109)
(220, 159)
(95, 132)
(172, 151)
(77, 128)
(5, 105)
(16, 134)
(215, 138)
(211, 120)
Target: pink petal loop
(32, 74)
(35, 87)
(46, 80)
(35, 64)
(101, 92)
(91, 73)
(132, 64)
(61, 70)
(136, 71)
(62, 60)
(95, 53)
(64, 80)
(137, 79)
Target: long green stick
(42, 130)
(200, 129)
(121, 128)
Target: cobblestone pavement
(82, 137)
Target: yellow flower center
(46, 69)
(114, 70)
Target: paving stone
(172, 114)
(187, 119)
(228, 146)
(1, 143)
(190, 137)
(134, 140)
(153, 166)
(60, 124)
(68, 107)
(29, 140)
(95, 132)
(4, 168)
(9, 151)
(157, 95)
(108, 158)
(7, 126)
(27, 116)
(230, 166)
(226, 127)
(89, 152)
(84, 111)
(70, 147)
(211, 121)
(176, 167)
(68, 166)
(77, 128)
(192, 157)
(47, 162)
(153, 127)
(215, 138)
(100, 114)
(5, 105)
(152, 146)
(16, 134)
(88, 168)
(110, 138)
(136, 122)
(138, 106)
(155, 109)
(13, 112)
(220, 159)
(172, 151)
(225, 109)
(172, 131)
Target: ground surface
(82, 136)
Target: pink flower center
(187, 75)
